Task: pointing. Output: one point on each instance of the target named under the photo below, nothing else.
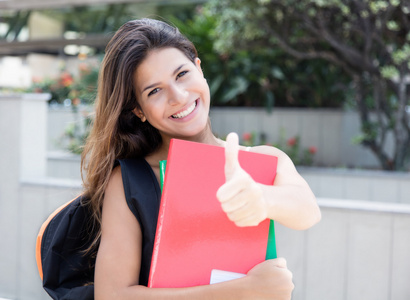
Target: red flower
(312, 149)
(76, 101)
(66, 79)
(291, 141)
(247, 136)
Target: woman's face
(172, 93)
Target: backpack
(64, 265)
(66, 269)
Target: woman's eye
(154, 91)
(181, 74)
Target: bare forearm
(290, 201)
(293, 206)
(234, 289)
(268, 280)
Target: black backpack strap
(143, 196)
(67, 272)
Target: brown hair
(117, 132)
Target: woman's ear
(138, 112)
(198, 65)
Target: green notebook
(271, 249)
(162, 167)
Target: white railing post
(23, 133)
(23, 130)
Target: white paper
(221, 276)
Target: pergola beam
(46, 4)
(52, 45)
(56, 45)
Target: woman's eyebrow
(150, 86)
(157, 83)
(177, 69)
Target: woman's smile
(185, 112)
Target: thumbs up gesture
(240, 196)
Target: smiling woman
(152, 89)
(177, 103)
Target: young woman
(152, 89)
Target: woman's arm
(289, 201)
(119, 260)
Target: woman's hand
(290, 201)
(271, 279)
(240, 196)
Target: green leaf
(277, 73)
(215, 84)
(240, 84)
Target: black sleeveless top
(143, 196)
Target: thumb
(231, 155)
(280, 262)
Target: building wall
(357, 251)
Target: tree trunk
(368, 141)
(402, 126)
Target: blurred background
(328, 82)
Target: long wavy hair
(117, 132)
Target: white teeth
(185, 112)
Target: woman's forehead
(160, 62)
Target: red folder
(193, 234)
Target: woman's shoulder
(115, 184)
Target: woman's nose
(177, 95)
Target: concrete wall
(27, 196)
(358, 251)
(59, 118)
(37, 200)
(22, 117)
(377, 186)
